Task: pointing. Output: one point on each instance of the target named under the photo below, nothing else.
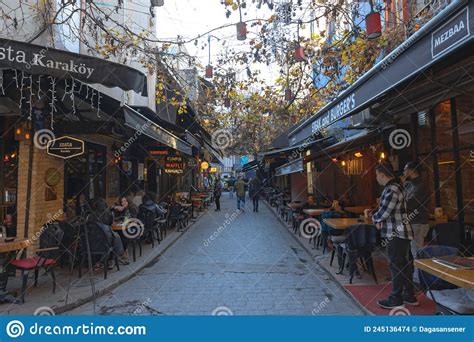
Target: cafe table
(6, 255)
(294, 205)
(118, 226)
(460, 277)
(344, 223)
(314, 212)
(357, 209)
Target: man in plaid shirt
(392, 219)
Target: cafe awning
(301, 148)
(449, 31)
(215, 153)
(254, 164)
(143, 125)
(40, 60)
(291, 167)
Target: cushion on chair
(458, 300)
(32, 263)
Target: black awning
(291, 167)
(40, 60)
(254, 164)
(301, 148)
(446, 33)
(215, 153)
(141, 124)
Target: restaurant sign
(174, 165)
(344, 106)
(450, 34)
(65, 147)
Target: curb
(127, 277)
(338, 284)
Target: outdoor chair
(96, 244)
(69, 243)
(359, 243)
(151, 229)
(46, 257)
(325, 229)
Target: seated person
(324, 202)
(149, 203)
(103, 216)
(311, 203)
(126, 209)
(10, 228)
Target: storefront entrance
(85, 175)
(8, 168)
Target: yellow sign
(213, 169)
(204, 165)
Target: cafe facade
(416, 104)
(64, 140)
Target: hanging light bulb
(157, 3)
(373, 23)
(241, 30)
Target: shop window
(309, 172)
(9, 171)
(423, 135)
(467, 176)
(444, 136)
(447, 184)
(465, 117)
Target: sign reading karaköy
(65, 147)
(39, 60)
(450, 34)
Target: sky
(190, 18)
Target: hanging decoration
(30, 101)
(288, 94)
(209, 69)
(53, 100)
(22, 86)
(241, 30)
(299, 51)
(373, 23)
(1, 83)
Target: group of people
(402, 217)
(240, 187)
(104, 215)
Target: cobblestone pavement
(230, 263)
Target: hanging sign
(174, 165)
(65, 147)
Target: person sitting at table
(103, 217)
(324, 202)
(311, 203)
(10, 228)
(126, 209)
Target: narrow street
(252, 266)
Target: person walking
(240, 193)
(254, 192)
(418, 200)
(391, 218)
(218, 193)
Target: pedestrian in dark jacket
(392, 219)
(255, 187)
(218, 193)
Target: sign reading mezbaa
(39, 60)
(65, 147)
(450, 34)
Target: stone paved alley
(252, 266)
